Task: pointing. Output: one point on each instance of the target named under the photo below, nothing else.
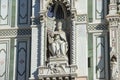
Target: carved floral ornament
(66, 2)
(61, 5)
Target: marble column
(113, 30)
(73, 42)
(42, 34)
(73, 34)
(42, 39)
(34, 47)
(113, 34)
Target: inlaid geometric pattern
(4, 12)
(4, 60)
(92, 27)
(2, 63)
(23, 12)
(21, 60)
(100, 60)
(15, 32)
(82, 18)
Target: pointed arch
(58, 9)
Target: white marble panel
(100, 63)
(4, 59)
(34, 52)
(100, 56)
(81, 6)
(81, 50)
(3, 11)
(99, 9)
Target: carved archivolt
(66, 2)
(63, 3)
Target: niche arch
(59, 10)
(53, 5)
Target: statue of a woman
(58, 45)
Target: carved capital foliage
(113, 20)
(66, 2)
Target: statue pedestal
(58, 60)
(57, 68)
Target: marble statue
(58, 45)
(114, 69)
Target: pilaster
(73, 42)
(113, 19)
(42, 38)
(81, 45)
(34, 45)
(34, 52)
(113, 35)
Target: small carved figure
(58, 45)
(114, 68)
(54, 68)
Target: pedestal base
(58, 60)
(57, 68)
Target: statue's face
(59, 26)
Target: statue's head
(59, 25)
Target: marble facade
(59, 40)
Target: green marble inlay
(13, 16)
(11, 59)
(90, 9)
(90, 55)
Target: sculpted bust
(58, 45)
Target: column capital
(113, 20)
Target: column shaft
(42, 44)
(73, 56)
